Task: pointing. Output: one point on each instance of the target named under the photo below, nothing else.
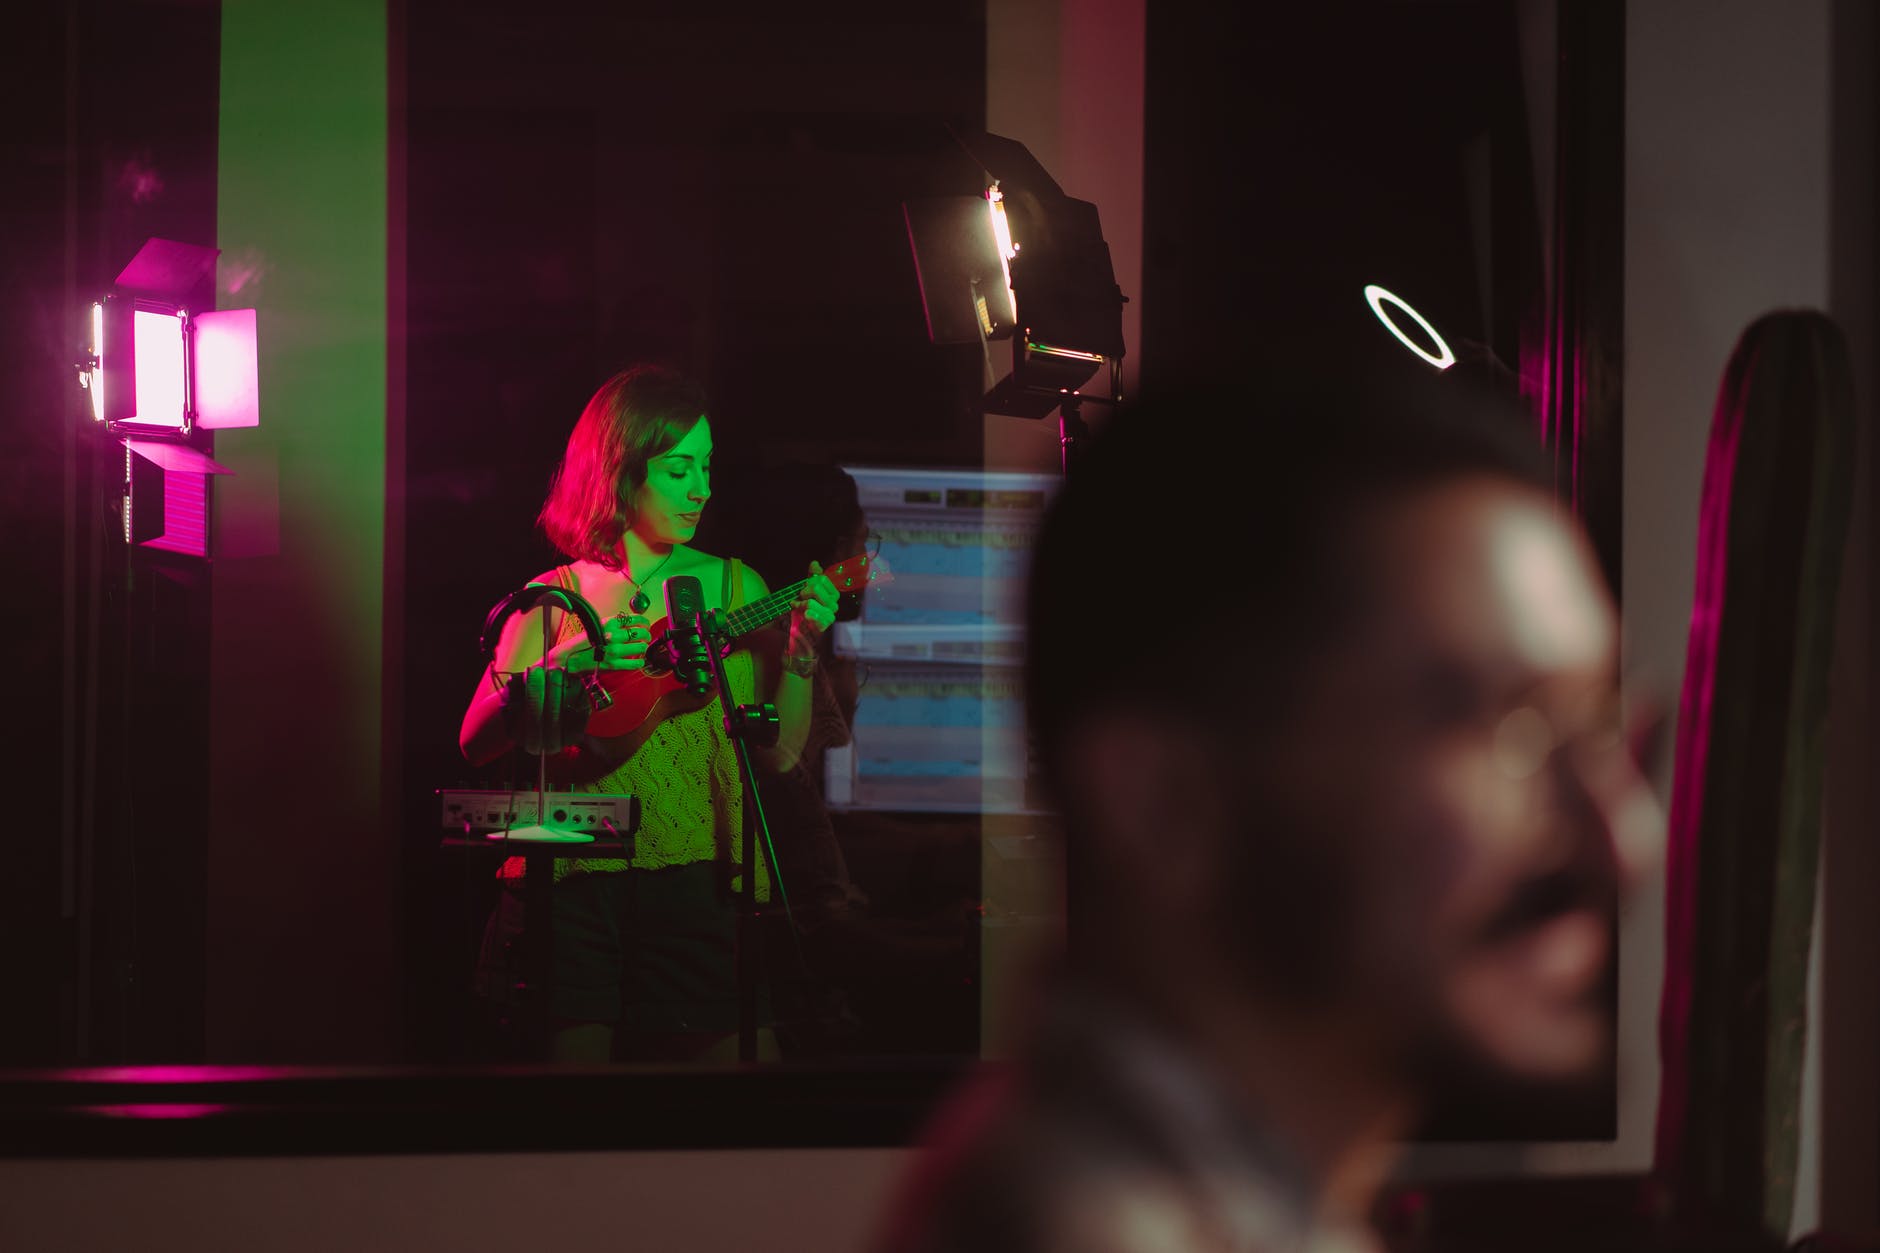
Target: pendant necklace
(640, 601)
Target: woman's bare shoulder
(714, 572)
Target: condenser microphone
(685, 605)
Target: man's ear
(1152, 797)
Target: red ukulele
(642, 699)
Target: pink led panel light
(95, 378)
(226, 391)
(162, 378)
(184, 483)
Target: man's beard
(1470, 1095)
(1290, 912)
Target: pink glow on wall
(227, 390)
(157, 1111)
(187, 1074)
(157, 342)
(140, 181)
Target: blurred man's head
(1324, 685)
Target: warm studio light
(1020, 243)
(1002, 237)
(1442, 358)
(962, 259)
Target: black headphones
(573, 714)
(528, 597)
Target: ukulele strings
(757, 613)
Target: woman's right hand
(628, 638)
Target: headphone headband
(527, 597)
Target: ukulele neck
(747, 618)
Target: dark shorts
(651, 951)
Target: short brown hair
(633, 417)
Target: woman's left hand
(814, 610)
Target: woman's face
(678, 483)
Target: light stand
(1073, 431)
(745, 725)
(1018, 398)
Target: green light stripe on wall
(301, 218)
(299, 547)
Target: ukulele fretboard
(761, 612)
(847, 575)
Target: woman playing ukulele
(644, 950)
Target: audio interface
(500, 809)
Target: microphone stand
(745, 725)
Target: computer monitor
(939, 723)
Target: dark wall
(111, 141)
(1294, 154)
